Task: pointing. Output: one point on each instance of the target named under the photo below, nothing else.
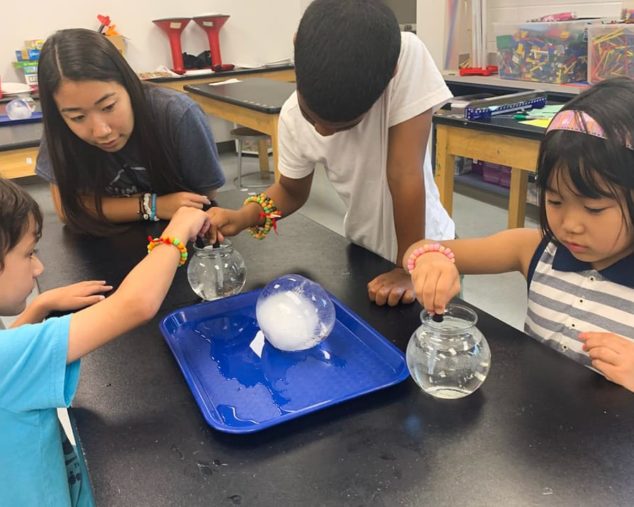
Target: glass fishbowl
(20, 108)
(295, 313)
(216, 271)
(448, 357)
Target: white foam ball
(289, 321)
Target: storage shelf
(476, 181)
(474, 186)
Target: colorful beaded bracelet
(269, 213)
(168, 241)
(426, 248)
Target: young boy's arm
(141, 293)
(68, 298)
(406, 150)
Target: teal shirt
(34, 381)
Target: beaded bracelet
(153, 216)
(147, 210)
(269, 213)
(426, 248)
(168, 241)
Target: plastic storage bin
(496, 174)
(610, 51)
(543, 52)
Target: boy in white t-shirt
(363, 107)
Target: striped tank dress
(567, 296)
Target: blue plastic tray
(35, 118)
(243, 384)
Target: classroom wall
(257, 32)
(430, 27)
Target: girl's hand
(612, 355)
(167, 205)
(187, 223)
(226, 222)
(72, 297)
(436, 280)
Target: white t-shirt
(356, 159)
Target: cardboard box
(119, 42)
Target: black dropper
(200, 243)
(437, 317)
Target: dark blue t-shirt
(180, 122)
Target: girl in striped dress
(580, 265)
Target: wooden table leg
(517, 198)
(444, 173)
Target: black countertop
(467, 85)
(504, 124)
(265, 95)
(14, 137)
(541, 430)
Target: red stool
(173, 27)
(212, 25)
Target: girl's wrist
(176, 232)
(428, 248)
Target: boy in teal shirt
(39, 361)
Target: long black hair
(84, 55)
(597, 167)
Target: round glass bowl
(449, 358)
(216, 272)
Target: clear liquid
(449, 368)
(212, 280)
(209, 291)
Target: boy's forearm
(288, 196)
(33, 313)
(124, 310)
(409, 215)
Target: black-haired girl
(580, 265)
(116, 149)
